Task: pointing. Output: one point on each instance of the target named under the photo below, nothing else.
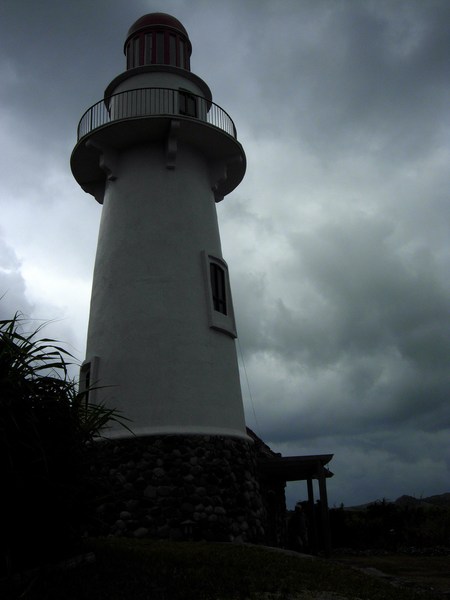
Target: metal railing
(146, 102)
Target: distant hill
(440, 500)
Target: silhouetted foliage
(46, 435)
(390, 526)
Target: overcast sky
(337, 240)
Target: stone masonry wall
(155, 484)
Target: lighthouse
(158, 154)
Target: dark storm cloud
(344, 74)
(58, 57)
(348, 324)
(366, 328)
(377, 292)
(381, 465)
(337, 239)
(392, 65)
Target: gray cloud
(337, 239)
(369, 332)
(12, 284)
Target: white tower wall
(157, 78)
(149, 315)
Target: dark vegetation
(407, 539)
(392, 526)
(428, 572)
(46, 433)
(142, 569)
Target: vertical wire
(248, 385)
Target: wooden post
(312, 512)
(324, 509)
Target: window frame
(187, 97)
(218, 320)
(218, 287)
(88, 377)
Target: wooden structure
(305, 468)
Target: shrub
(46, 426)
(389, 526)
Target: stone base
(182, 487)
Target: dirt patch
(432, 573)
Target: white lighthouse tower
(158, 154)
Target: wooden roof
(296, 468)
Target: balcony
(146, 115)
(154, 102)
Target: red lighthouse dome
(157, 38)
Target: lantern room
(158, 39)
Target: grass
(430, 571)
(143, 569)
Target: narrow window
(136, 52)
(88, 378)
(160, 47)
(172, 49)
(182, 65)
(218, 295)
(148, 48)
(129, 63)
(187, 104)
(219, 292)
(87, 383)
